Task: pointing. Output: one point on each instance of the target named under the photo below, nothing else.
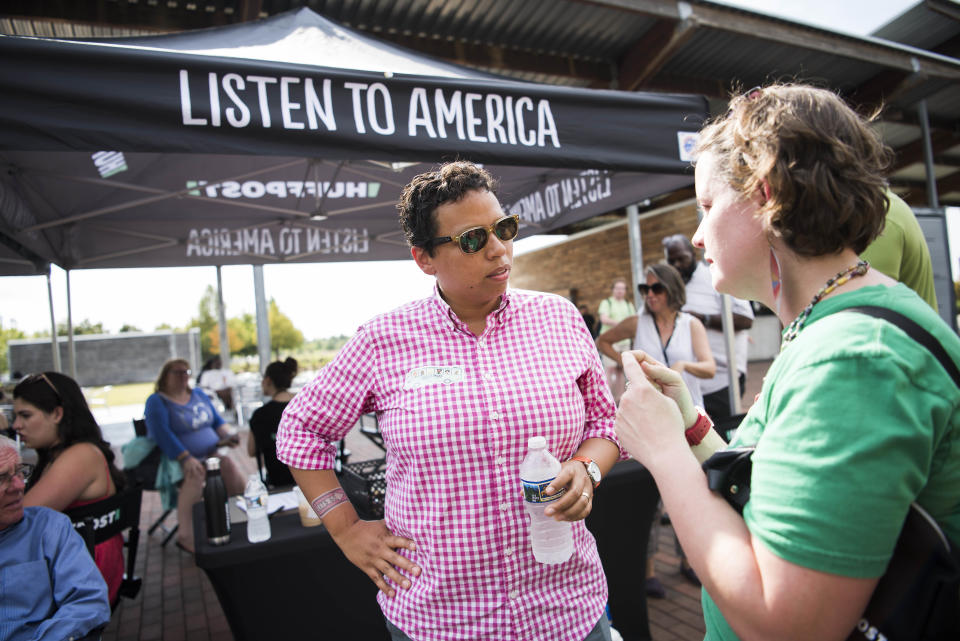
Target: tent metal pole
(636, 252)
(932, 199)
(222, 320)
(263, 319)
(53, 325)
(733, 373)
(71, 350)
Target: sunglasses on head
(656, 288)
(35, 378)
(474, 239)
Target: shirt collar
(496, 317)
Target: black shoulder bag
(918, 597)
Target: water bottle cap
(212, 463)
(537, 443)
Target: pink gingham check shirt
(455, 411)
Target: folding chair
(145, 473)
(104, 519)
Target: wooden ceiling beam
(649, 54)
(940, 141)
(503, 59)
(753, 25)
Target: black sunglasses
(656, 288)
(474, 239)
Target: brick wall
(584, 267)
(104, 359)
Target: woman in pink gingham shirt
(459, 382)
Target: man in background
(704, 302)
(901, 251)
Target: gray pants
(600, 632)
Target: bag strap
(914, 331)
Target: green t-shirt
(901, 251)
(854, 421)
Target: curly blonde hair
(822, 162)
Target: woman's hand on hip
(370, 546)
(649, 420)
(577, 501)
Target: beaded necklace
(840, 279)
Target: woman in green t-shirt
(855, 419)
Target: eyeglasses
(656, 288)
(33, 378)
(181, 372)
(22, 471)
(474, 239)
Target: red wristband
(696, 432)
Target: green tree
(129, 328)
(86, 326)
(7, 334)
(241, 336)
(283, 335)
(206, 321)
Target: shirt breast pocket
(437, 415)
(24, 587)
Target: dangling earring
(775, 278)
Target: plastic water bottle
(552, 540)
(255, 497)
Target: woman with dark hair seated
(264, 421)
(75, 465)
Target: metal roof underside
(651, 45)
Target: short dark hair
(681, 239)
(668, 275)
(825, 166)
(427, 191)
(281, 373)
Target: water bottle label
(255, 501)
(535, 491)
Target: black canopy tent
(287, 140)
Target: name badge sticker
(433, 375)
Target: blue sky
(321, 299)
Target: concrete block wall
(109, 359)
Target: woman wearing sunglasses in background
(460, 381)
(74, 464)
(677, 339)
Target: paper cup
(308, 518)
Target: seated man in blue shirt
(50, 588)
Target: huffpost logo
(283, 189)
(109, 163)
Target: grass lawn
(127, 394)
